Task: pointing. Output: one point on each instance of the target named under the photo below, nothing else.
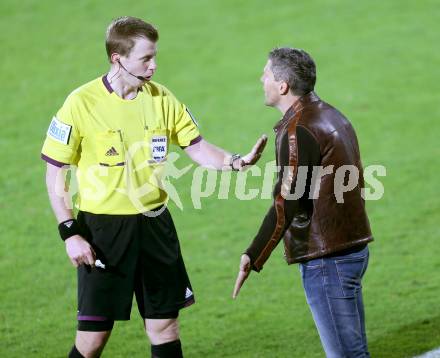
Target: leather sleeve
(298, 148)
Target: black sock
(74, 353)
(167, 350)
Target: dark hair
(295, 67)
(122, 32)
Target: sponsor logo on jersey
(59, 131)
(111, 152)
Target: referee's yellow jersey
(119, 146)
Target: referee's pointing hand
(80, 251)
(254, 155)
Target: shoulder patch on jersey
(59, 131)
(192, 117)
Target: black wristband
(68, 228)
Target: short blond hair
(122, 32)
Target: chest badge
(159, 147)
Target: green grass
(377, 62)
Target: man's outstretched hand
(254, 155)
(245, 270)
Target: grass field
(377, 62)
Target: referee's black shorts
(141, 255)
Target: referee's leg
(91, 338)
(89, 344)
(164, 337)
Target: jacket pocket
(110, 148)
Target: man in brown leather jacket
(318, 208)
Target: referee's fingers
(89, 258)
(93, 253)
(74, 262)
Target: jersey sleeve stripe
(194, 141)
(53, 161)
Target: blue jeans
(334, 293)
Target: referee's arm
(211, 156)
(77, 248)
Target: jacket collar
(296, 107)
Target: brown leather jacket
(323, 219)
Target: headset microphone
(141, 78)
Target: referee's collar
(107, 83)
(109, 87)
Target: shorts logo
(188, 293)
(159, 147)
(59, 131)
(111, 152)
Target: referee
(117, 130)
